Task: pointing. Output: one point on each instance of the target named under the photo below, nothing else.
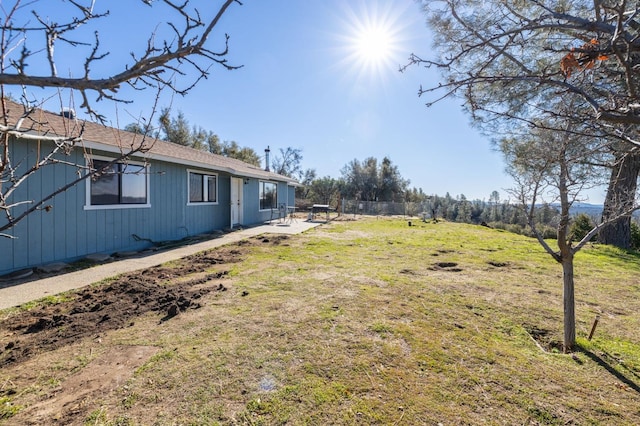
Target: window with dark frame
(203, 188)
(268, 195)
(118, 183)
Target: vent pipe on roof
(266, 158)
(68, 113)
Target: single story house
(165, 193)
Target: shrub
(548, 232)
(514, 228)
(581, 226)
(635, 236)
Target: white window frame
(89, 206)
(205, 189)
(276, 198)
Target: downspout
(231, 183)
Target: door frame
(236, 200)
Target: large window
(268, 195)
(119, 184)
(203, 188)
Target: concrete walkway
(20, 293)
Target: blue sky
(304, 84)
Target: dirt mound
(93, 311)
(167, 290)
(69, 403)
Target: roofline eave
(190, 163)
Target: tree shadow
(605, 362)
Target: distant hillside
(593, 210)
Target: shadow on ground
(608, 362)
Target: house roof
(104, 138)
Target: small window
(118, 184)
(268, 195)
(203, 188)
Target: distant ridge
(588, 209)
(592, 210)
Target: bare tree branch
(157, 65)
(154, 68)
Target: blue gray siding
(251, 203)
(252, 212)
(70, 232)
(291, 195)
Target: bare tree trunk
(565, 257)
(620, 198)
(568, 298)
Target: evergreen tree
(324, 190)
(176, 129)
(580, 227)
(231, 149)
(370, 182)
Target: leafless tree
(175, 57)
(551, 166)
(512, 60)
(288, 162)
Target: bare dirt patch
(544, 339)
(107, 372)
(167, 290)
(95, 310)
(446, 266)
(349, 234)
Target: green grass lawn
(375, 322)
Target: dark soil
(446, 266)
(544, 338)
(167, 290)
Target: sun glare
(373, 45)
(372, 38)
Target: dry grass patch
(364, 322)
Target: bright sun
(373, 39)
(373, 45)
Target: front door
(236, 201)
